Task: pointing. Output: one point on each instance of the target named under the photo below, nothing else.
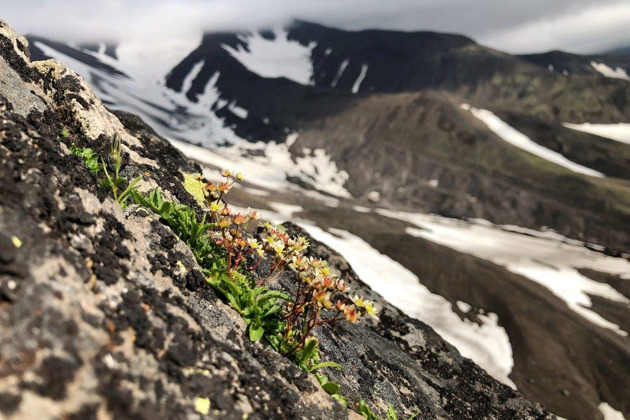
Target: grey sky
(511, 25)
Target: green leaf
(233, 301)
(391, 413)
(324, 365)
(308, 351)
(322, 379)
(256, 332)
(272, 311)
(273, 294)
(331, 387)
(342, 400)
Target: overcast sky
(516, 26)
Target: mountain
(496, 191)
(106, 312)
(619, 51)
(610, 65)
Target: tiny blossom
(341, 286)
(370, 309)
(350, 313)
(239, 219)
(224, 187)
(277, 246)
(240, 176)
(358, 301)
(214, 206)
(255, 246)
(226, 172)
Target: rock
(98, 319)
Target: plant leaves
(331, 387)
(256, 332)
(324, 365)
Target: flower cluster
(231, 227)
(320, 293)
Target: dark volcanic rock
(98, 319)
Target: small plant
(230, 258)
(364, 409)
(95, 164)
(90, 158)
(116, 181)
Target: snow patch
(463, 306)
(342, 68)
(610, 413)
(487, 345)
(286, 211)
(617, 132)
(269, 164)
(357, 83)
(190, 77)
(238, 111)
(523, 142)
(546, 260)
(279, 57)
(617, 73)
(374, 196)
(256, 191)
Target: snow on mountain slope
(270, 165)
(276, 57)
(357, 83)
(617, 73)
(549, 260)
(610, 413)
(171, 113)
(618, 132)
(521, 141)
(182, 121)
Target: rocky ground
(104, 313)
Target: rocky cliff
(105, 313)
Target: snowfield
(523, 142)
(607, 71)
(269, 164)
(357, 83)
(280, 57)
(546, 259)
(618, 132)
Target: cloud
(514, 25)
(594, 30)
